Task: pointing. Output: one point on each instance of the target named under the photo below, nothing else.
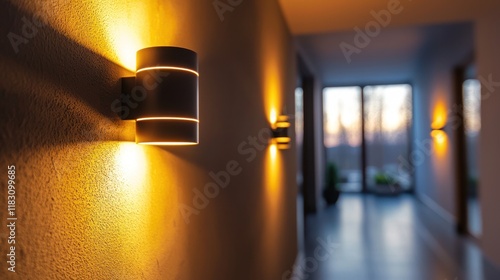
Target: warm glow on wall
(273, 185)
(142, 202)
(272, 100)
(114, 29)
(273, 150)
(439, 136)
(131, 170)
(274, 199)
(440, 142)
(439, 116)
(133, 25)
(131, 164)
(438, 125)
(272, 86)
(110, 205)
(273, 60)
(273, 92)
(273, 116)
(124, 45)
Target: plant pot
(331, 196)
(387, 189)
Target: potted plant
(386, 184)
(331, 193)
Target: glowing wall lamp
(163, 96)
(280, 132)
(438, 133)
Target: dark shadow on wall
(53, 90)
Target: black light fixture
(280, 132)
(163, 97)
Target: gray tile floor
(373, 237)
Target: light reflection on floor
(474, 212)
(391, 238)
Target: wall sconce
(438, 133)
(280, 132)
(163, 97)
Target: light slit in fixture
(168, 68)
(168, 118)
(169, 143)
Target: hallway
(389, 238)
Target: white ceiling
(320, 26)
(321, 16)
(390, 57)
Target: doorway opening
(471, 96)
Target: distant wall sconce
(441, 128)
(438, 133)
(280, 132)
(165, 95)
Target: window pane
(299, 131)
(299, 116)
(472, 125)
(342, 134)
(388, 118)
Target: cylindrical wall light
(163, 96)
(280, 132)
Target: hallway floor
(374, 237)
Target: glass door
(388, 119)
(472, 127)
(342, 135)
(299, 132)
(369, 129)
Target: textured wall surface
(91, 204)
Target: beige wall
(435, 104)
(436, 176)
(92, 204)
(488, 63)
